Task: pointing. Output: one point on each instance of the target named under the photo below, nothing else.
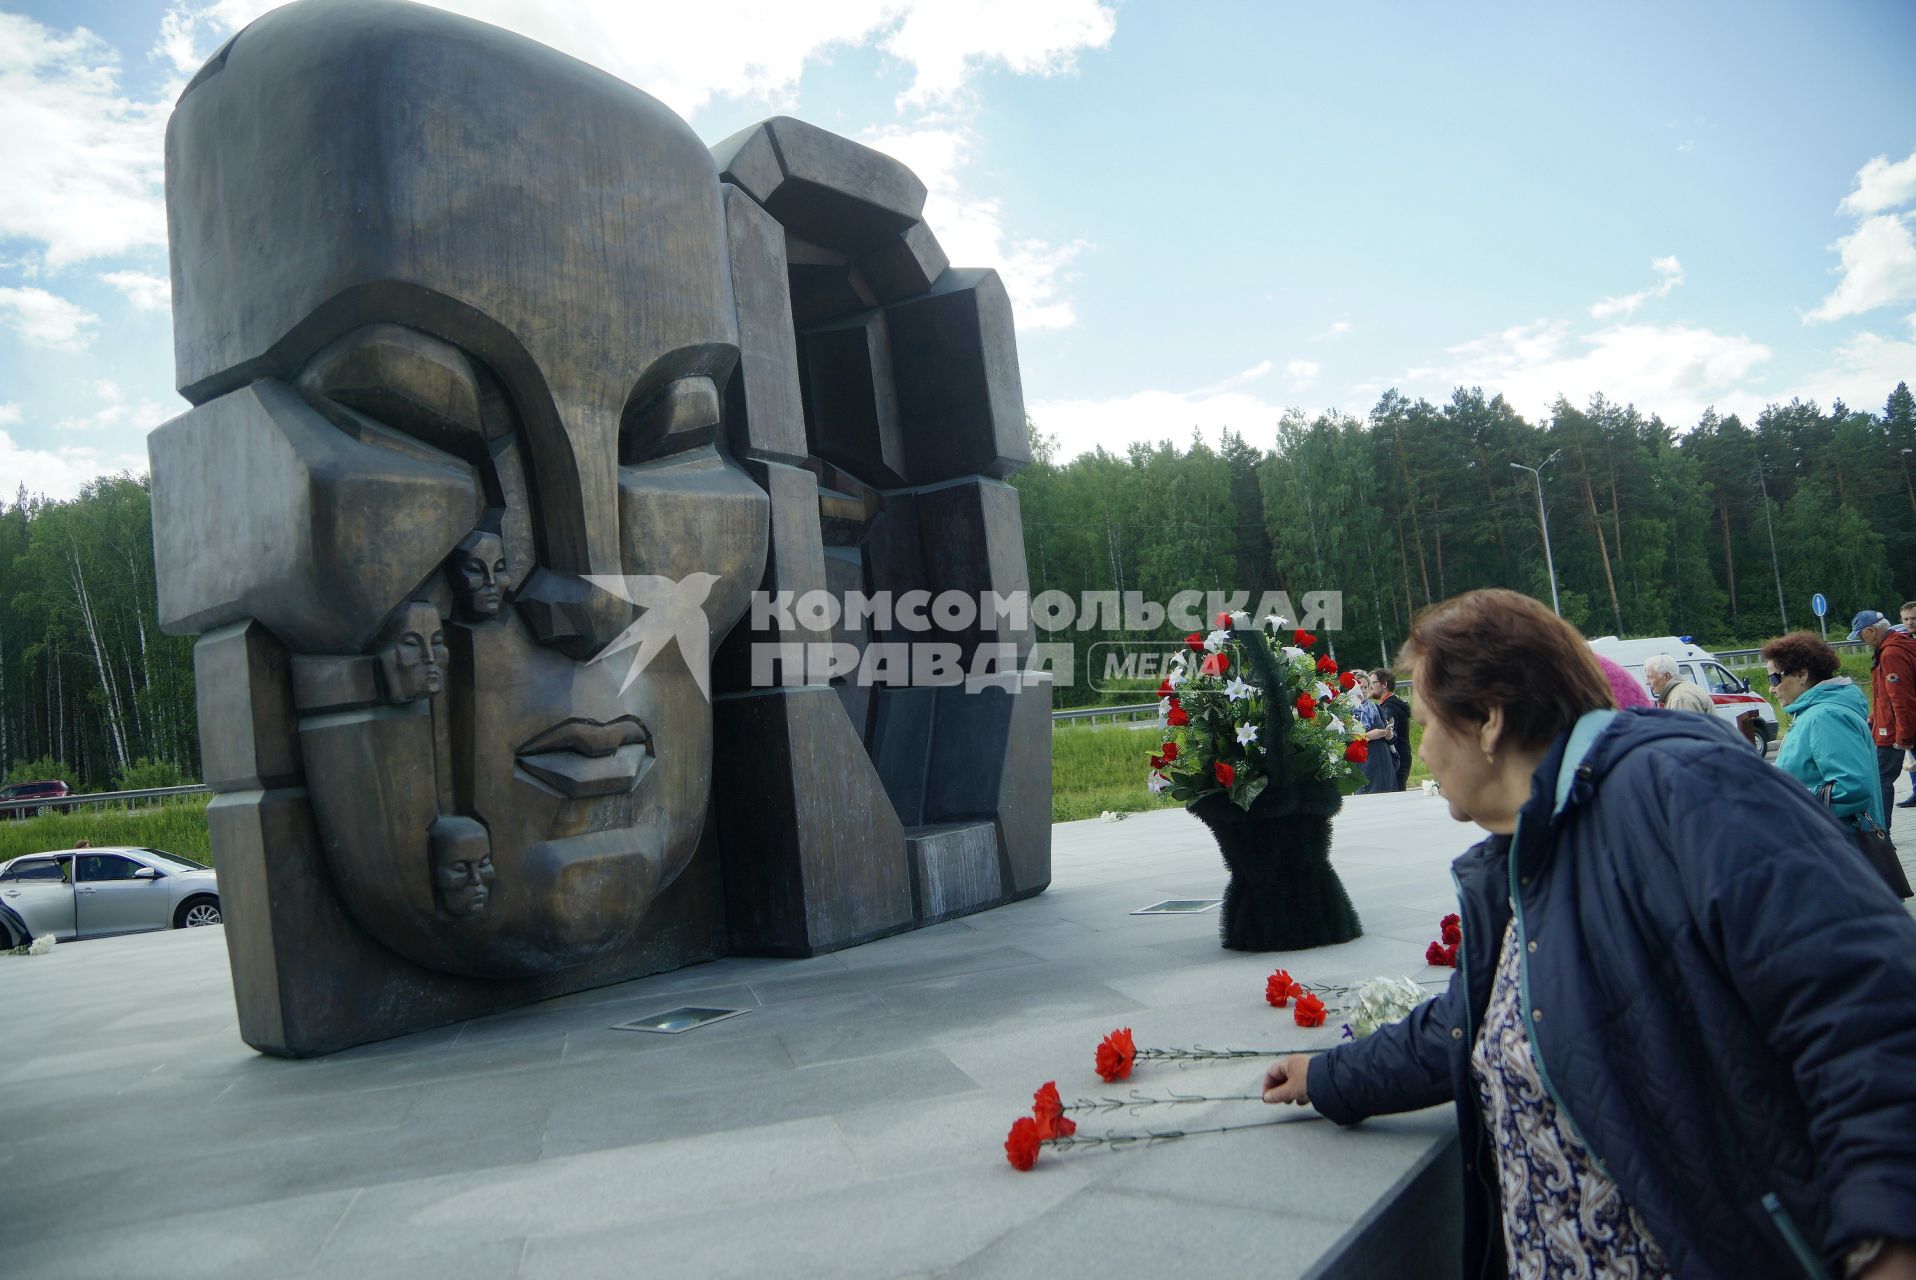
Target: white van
(1732, 695)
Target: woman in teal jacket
(1829, 743)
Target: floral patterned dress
(1561, 1215)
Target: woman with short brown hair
(1681, 1038)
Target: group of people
(1681, 1034)
(1386, 721)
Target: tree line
(91, 691)
(1722, 532)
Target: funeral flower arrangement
(1234, 696)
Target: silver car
(95, 893)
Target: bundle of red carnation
(1443, 952)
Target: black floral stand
(1283, 894)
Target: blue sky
(1206, 213)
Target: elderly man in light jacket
(1672, 690)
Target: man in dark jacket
(1892, 688)
(1741, 1065)
(1399, 712)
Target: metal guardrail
(1114, 714)
(1748, 657)
(63, 804)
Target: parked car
(95, 893)
(1732, 695)
(22, 791)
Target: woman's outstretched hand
(1285, 1079)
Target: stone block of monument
(823, 188)
(502, 409)
(956, 364)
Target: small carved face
(477, 568)
(412, 653)
(464, 884)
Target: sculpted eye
(684, 413)
(400, 379)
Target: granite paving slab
(849, 1125)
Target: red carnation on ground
(1440, 955)
(1326, 665)
(1214, 664)
(1115, 1055)
(1047, 1108)
(1357, 751)
(1345, 680)
(1178, 717)
(1224, 773)
(1021, 1144)
(1452, 918)
(1170, 751)
(1303, 638)
(1306, 706)
(1450, 957)
(1453, 934)
(1309, 1011)
(1279, 988)
(1194, 642)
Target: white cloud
(758, 50)
(1146, 417)
(971, 229)
(1673, 370)
(1337, 330)
(114, 412)
(1242, 377)
(145, 291)
(1670, 272)
(946, 41)
(45, 319)
(1881, 185)
(1861, 372)
(1878, 269)
(83, 161)
(687, 55)
(58, 474)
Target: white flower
(1237, 690)
(1292, 652)
(1158, 782)
(1246, 734)
(1382, 1001)
(1276, 622)
(1241, 619)
(1333, 758)
(1216, 640)
(1177, 678)
(1337, 726)
(1324, 693)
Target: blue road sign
(1818, 605)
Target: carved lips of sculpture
(412, 655)
(477, 569)
(581, 758)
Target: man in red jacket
(1892, 684)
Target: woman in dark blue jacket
(1681, 1038)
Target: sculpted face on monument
(508, 394)
(462, 871)
(412, 653)
(477, 568)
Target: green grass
(1100, 767)
(177, 826)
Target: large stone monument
(508, 394)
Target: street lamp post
(1543, 518)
